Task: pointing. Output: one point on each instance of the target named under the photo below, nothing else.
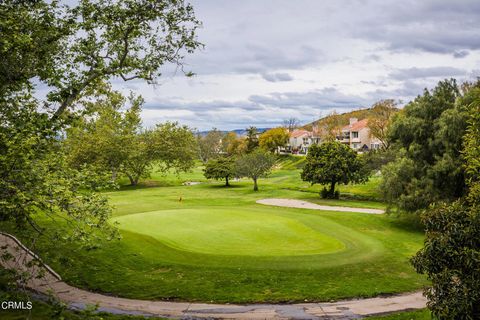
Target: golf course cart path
(293, 203)
(45, 281)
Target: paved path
(292, 203)
(46, 281)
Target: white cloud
(265, 61)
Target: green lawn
(210, 243)
(410, 315)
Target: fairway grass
(214, 244)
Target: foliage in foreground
(451, 255)
(427, 137)
(71, 49)
(332, 163)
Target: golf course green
(206, 242)
(231, 232)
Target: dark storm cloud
(414, 73)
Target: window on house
(354, 134)
(356, 145)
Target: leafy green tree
(108, 137)
(332, 163)
(471, 143)
(36, 177)
(71, 50)
(273, 139)
(252, 139)
(168, 146)
(450, 256)
(235, 146)
(221, 168)
(254, 165)
(450, 259)
(428, 134)
(210, 145)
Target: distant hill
(343, 118)
(239, 132)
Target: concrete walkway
(293, 203)
(46, 281)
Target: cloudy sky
(268, 60)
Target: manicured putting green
(238, 232)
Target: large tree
(169, 146)
(108, 137)
(450, 256)
(254, 165)
(427, 136)
(273, 139)
(221, 168)
(332, 163)
(71, 50)
(232, 145)
(210, 144)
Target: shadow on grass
(146, 185)
(406, 221)
(223, 186)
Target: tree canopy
(452, 246)
(427, 136)
(210, 144)
(220, 168)
(168, 146)
(332, 163)
(254, 165)
(273, 139)
(72, 50)
(252, 139)
(379, 120)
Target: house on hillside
(357, 135)
(301, 140)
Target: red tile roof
(299, 133)
(357, 126)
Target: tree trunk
(255, 186)
(332, 188)
(132, 180)
(227, 184)
(114, 174)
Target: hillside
(343, 118)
